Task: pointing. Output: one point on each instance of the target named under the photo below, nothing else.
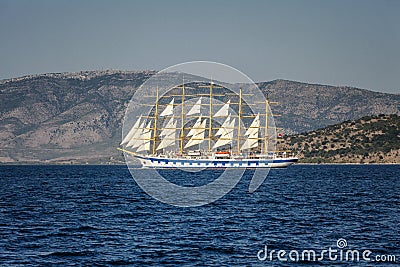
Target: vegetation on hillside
(371, 139)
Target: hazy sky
(349, 42)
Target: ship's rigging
(147, 136)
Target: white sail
(198, 135)
(145, 139)
(224, 126)
(169, 138)
(222, 112)
(254, 127)
(194, 127)
(169, 127)
(231, 126)
(226, 136)
(134, 141)
(252, 133)
(196, 108)
(250, 143)
(169, 110)
(133, 130)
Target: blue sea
(99, 216)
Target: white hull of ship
(166, 163)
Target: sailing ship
(157, 140)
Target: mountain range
(77, 117)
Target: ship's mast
(210, 118)
(182, 117)
(266, 137)
(239, 120)
(210, 114)
(155, 123)
(266, 127)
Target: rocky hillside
(306, 107)
(371, 139)
(73, 117)
(77, 117)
